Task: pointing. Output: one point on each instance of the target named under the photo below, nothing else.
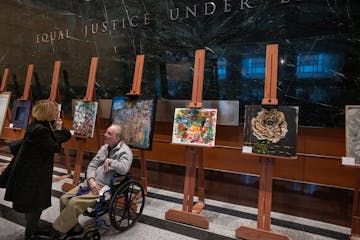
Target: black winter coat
(29, 184)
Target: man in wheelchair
(114, 157)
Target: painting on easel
(194, 126)
(137, 117)
(271, 131)
(4, 104)
(84, 118)
(20, 113)
(352, 125)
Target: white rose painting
(271, 131)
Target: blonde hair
(43, 110)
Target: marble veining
(318, 49)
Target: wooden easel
(55, 97)
(54, 91)
(4, 80)
(17, 133)
(263, 230)
(136, 91)
(191, 214)
(27, 89)
(90, 96)
(136, 86)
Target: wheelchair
(124, 202)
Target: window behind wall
(319, 65)
(253, 68)
(221, 65)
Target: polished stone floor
(224, 218)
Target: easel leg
(8, 114)
(67, 160)
(187, 215)
(199, 206)
(67, 164)
(201, 177)
(78, 164)
(264, 207)
(265, 194)
(189, 183)
(143, 170)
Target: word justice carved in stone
(92, 28)
(174, 14)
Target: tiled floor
(224, 219)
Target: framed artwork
(194, 126)
(271, 131)
(20, 113)
(4, 104)
(352, 125)
(136, 117)
(84, 118)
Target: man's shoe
(56, 235)
(44, 232)
(44, 229)
(32, 237)
(77, 230)
(36, 237)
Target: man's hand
(106, 165)
(94, 187)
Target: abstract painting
(194, 126)
(20, 113)
(136, 116)
(271, 130)
(352, 125)
(4, 104)
(84, 118)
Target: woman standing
(29, 184)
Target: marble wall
(319, 49)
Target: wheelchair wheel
(126, 205)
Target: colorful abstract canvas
(136, 116)
(271, 131)
(20, 113)
(84, 118)
(194, 126)
(352, 124)
(4, 104)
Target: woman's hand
(58, 124)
